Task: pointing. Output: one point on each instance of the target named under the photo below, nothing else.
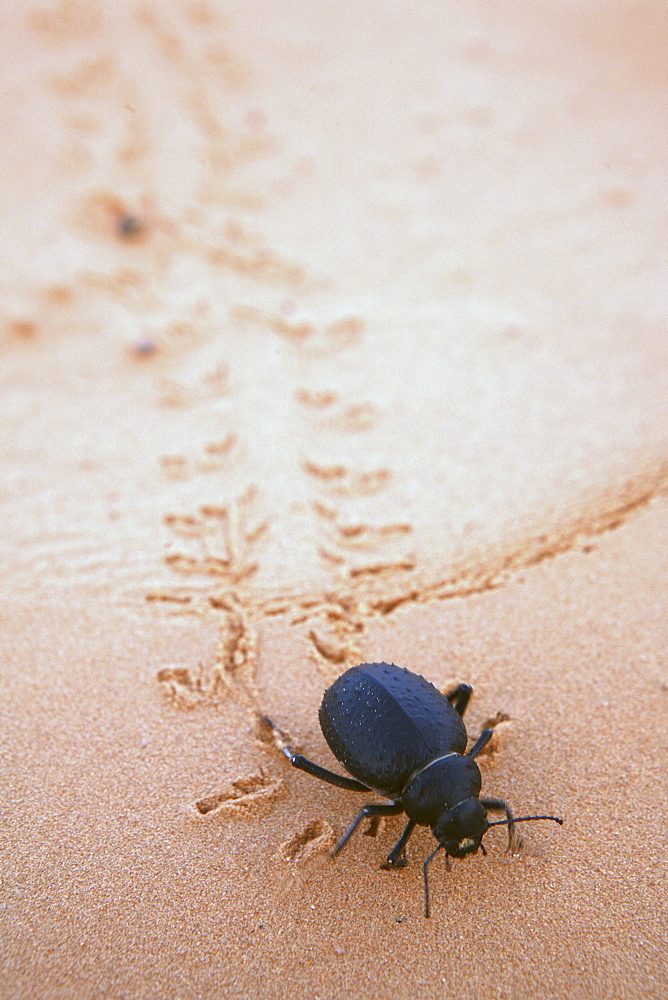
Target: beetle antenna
(426, 878)
(524, 819)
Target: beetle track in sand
(248, 795)
(316, 838)
(334, 618)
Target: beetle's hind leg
(397, 856)
(459, 697)
(300, 762)
(391, 809)
(481, 742)
(303, 764)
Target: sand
(331, 333)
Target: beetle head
(460, 830)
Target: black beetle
(399, 736)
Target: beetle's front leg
(397, 856)
(392, 809)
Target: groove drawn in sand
(89, 78)
(269, 736)
(333, 647)
(234, 663)
(246, 796)
(183, 686)
(316, 838)
(314, 340)
(128, 285)
(223, 542)
(66, 20)
(215, 456)
(344, 418)
(225, 539)
(209, 565)
(319, 400)
(254, 259)
(236, 653)
(169, 598)
(357, 549)
(338, 480)
(210, 386)
(353, 550)
(501, 725)
(381, 568)
(356, 535)
(354, 418)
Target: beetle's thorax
(438, 786)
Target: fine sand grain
(330, 332)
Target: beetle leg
(397, 856)
(391, 809)
(459, 697)
(499, 805)
(330, 777)
(425, 866)
(481, 742)
(297, 760)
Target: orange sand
(330, 332)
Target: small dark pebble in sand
(129, 227)
(144, 348)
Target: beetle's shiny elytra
(397, 735)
